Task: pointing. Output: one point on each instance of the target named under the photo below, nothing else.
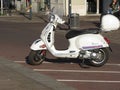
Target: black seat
(73, 33)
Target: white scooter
(84, 45)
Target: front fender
(38, 45)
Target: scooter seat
(73, 33)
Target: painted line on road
(112, 64)
(25, 62)
(76, 71)
(88, 81)
(20, 61)
(109, 64)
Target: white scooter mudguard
(91, 41)
(38, 45)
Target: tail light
(107, 40)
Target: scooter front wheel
(99, 57)
(36, 57)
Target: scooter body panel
(47, 35)
(38, 45)
(90, 41)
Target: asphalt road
(15, 38)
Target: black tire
(101, 58)
(36, 57)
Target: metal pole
(98, 1)
(70, 7)
(69, 12)
(30, 14)
(1, 7)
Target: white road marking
(88, 81)
(25, 62)
(109, 64)
(20, 61)
(76, 71)
(112, 64)
(79, 71)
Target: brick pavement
(14, 76)
(85, 22)
(17, 77)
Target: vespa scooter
(84, 44)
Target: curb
(40, 78)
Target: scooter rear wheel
(102, 56)
(36, 57)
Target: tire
(36, 57)
(102, 56)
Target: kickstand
(82, 64)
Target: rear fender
(38, 45)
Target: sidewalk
(21, 19)
(41, 18)
(14, 76)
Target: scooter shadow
(62, 60)
(82, 64)
(86, 63)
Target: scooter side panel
(91, 41)
(38, 45)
